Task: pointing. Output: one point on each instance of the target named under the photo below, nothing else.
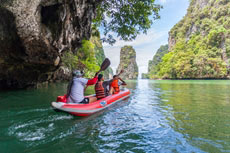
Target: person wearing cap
(75, 93)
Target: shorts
(84, 101)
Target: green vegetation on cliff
(153, 67)
(84, 59)
(199, 44)
(88, 58)
(144, 76)
(100, 56)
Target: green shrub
(84, 59)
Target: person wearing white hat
(75, 93)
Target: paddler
(102, 87)
(115, 84)
(75, 93)
(99, 88)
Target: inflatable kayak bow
(89, 109)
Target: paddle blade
(105, 64)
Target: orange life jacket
(99, 89)
(115, 86)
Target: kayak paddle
(105, 64)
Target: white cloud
(141, 39)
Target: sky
(146, 45)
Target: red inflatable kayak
(89, 109)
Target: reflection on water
(159, 116)
(200, 111)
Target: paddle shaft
(105, 64)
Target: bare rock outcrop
(128, 63)
(35, 33)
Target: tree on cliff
(126, 18)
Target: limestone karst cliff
(128, 63)
(199, 45)
(34, 34)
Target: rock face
(128, 63)
(199, 45)
(34, 34)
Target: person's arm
(123, 82)
(122, 71)
(106, 83)
(93, 81)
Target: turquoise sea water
(160, 116)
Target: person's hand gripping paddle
(104, 65)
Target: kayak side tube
(88, 109)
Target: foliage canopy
(126, 18)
